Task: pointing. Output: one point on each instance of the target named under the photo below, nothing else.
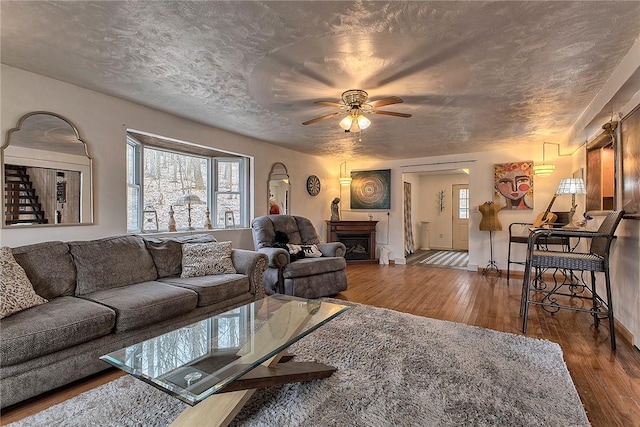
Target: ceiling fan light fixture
(363, 122)
(346, 122)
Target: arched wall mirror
(278, 190)
(47, 177)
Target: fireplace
(359, 237)
(358, 246)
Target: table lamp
(188, 199)
(571, 186)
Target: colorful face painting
(513, 183)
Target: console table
(358, 236)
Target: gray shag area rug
(394, 369)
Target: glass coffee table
(216, 364)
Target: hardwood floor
(608, 383)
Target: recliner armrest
(332, 249)
(278, 257)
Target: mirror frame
(83, 183)
(287, 201)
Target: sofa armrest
(252, 264)
(332, 249)
(278, 257)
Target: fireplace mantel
(358, 236)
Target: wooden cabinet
(358, 236)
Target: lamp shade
(346, 122)
(188, 199)
(571, 186)
(543, 169)
(363, 122)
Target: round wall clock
(313, 185)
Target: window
(463, 203)
(192, 182)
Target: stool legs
(612, 326)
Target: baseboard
(492, 272)
(623, 332)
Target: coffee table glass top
(199, 360)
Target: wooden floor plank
(608, 382)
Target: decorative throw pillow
(16, 291)
(203, 259)
(310, 251)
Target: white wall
(102, 121)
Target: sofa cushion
(111, 262)
(61, 323)
(16, 292)
(49, 267)
(203, 259)
(145, 303)
(312, 266)
(167, 251)
(212, 289)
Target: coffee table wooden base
(219, 409)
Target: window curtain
(408, 228)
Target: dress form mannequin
(490, 223)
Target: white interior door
(460, 217)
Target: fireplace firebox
(359, 237)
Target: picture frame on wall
(630, 150)
(513, 185)
(371, 189)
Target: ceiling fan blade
(385, 101)
(329, 103)
(321, 118)
(392, 113)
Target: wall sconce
(545, 169)
(344, 179)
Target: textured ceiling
(474, 75)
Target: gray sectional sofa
(106, 294)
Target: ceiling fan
(354, 102)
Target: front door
(460, 217)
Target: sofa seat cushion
(61, 323)
(212, 289)
(312, 266)
(145, 303)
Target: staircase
(20, 199)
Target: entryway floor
(439, 258)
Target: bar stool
(561, 220)
(537, 291)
